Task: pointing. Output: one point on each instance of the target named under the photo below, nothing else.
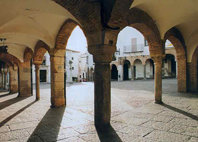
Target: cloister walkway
(134, 115)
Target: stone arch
(138, 58)
(141, 21)
(176, 38)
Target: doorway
(43, 76)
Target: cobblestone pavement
(135, 118)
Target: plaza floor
(135, 118)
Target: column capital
(158, 59)
(37, 63)
(57, 52)
(37, 66)
(102, 53)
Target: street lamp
(3, 47)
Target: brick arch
(141, 21)
(39, 51)
(6, 57)
(28, 54)
(9, 63)
(64, 33)
(176, 38)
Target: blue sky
(77, 41)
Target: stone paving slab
(135, 119)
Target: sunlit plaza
(134, 116)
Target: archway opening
(114, 72)
(126, 68)
(150, 69)
(41, 69)
(138, 69)
(169, 66)
(3, 77)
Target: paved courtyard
(135, 118)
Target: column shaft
(132, 72)
(102, 90)
(145, 72)
(25, 79)
(37, 70)
(181, 74)
(158, 79)
(192, 77)
(13, 80)
(57, 78)
(102, 56)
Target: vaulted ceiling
(24, 22)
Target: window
(145, 42)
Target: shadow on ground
(48, 128)
(11, 102)
(6, 94)
(15, 114)
(180, 111)
(108, 134)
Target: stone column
(132, 72)
(57, 78)
(144, 71)
(37, 72)
(102, 84)
(5, 78)
(120, 73)
(25, 79)
(158, 79)
(13, 79)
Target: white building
(86, 67)
(132, 60)
(71, 64)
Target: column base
(101, 125)
(158, 102)
(57, 102)
(57, 106)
